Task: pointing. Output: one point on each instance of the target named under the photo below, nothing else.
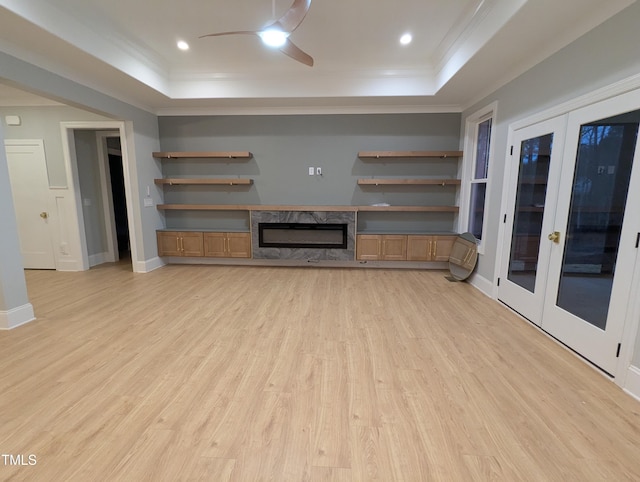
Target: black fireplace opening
(302, 235)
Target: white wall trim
(148, 265)
(482, 284)
(98, 258)
(466, 173)
(632, 385)
(17, 316)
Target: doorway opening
(118, 199)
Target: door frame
(631, 328)
(76, 221)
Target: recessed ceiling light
(406, 39)
(182, 45)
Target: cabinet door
(168, 243)
(239, 245)
(442, 247)
(419, 248)
(368, 246)
(192, 244)
(214, 245)
(394, 247)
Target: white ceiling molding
(460, 50)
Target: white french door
(575, 282)
(533, 188)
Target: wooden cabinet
(227, 245)
(429, 248)
(387, 247)
(401, 247)
(179, 243)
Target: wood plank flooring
(298, 374)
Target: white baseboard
(148, 265)
(96, 259)
(482, 284)
(68, 265)
(16, 317)
(632, 382)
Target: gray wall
(91, 191)
(44, 123)
(284, 147)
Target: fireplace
(303, 235)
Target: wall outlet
(311, 171)
(319, 171)
(148, 202)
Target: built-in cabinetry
(423, 244)
(429, 248)
(227, 245)
(383, 247)
(211, 244)
(180, 243)
(403, 247)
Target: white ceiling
(462, 50)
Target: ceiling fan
(277, 33)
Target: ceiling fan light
(274, 38)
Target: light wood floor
(286, 374)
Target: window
(478, 144)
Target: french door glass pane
(533, 175)
(600, 186)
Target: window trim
(472, 123)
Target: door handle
(555, 237)
(44, 215)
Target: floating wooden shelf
(204, 207)
(407, 182)
(195, 181)
(203, 155)
(252, 207)
(405, 154)
(426, 209)
(279, 207)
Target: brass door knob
(44, 215)
(555, 237)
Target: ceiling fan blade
(293, 17)
(237, 32)
(296, 54)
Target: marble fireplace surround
(311, 217)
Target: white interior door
(594, 249)
(536, 161)
(30, 188)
